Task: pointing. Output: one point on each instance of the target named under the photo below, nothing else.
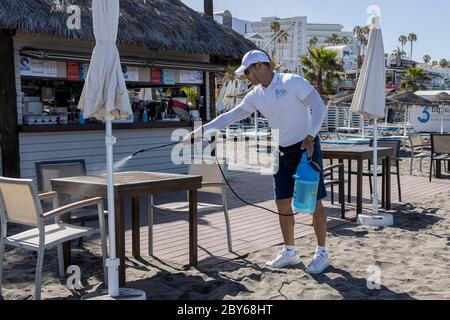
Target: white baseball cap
(250, 58)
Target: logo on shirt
(280, 93)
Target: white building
(257, 39)
(226, 18)
(299, 32)
(322, 31)
(288, 50)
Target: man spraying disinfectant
(285, 100)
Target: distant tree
(321, 67)
(443, 63)
(412, 37)
(312, 42)
(427, 58)
(413, 79)
(403, 41)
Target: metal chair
(417, 146)
(21, 204)
(329, 180)
(213, 182)
(395, 162)
(48, 170)
(440, 150)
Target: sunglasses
(247, 71)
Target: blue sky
(430, 20)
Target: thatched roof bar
(162, 24)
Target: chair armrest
(334, 166)
(48, 196)
(73, 206)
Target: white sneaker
(319, 264)
(284, 260)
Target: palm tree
(321, 67)
(360, 35)
(334, 39)
(403, 40)
(427, 58)
(413, 79)
(412, 37)
(275, 28)
(282, 38)
(345, 40)
(328, 40)
(443, 63)
(312, 42)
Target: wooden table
(132, 185)
(361, 153)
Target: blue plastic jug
(306, 187)
(81, 118)
(145, 116)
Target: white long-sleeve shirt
(286, 104)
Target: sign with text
(73, 71)
(169, 76)
(38, 68)
(130, 74)
(156, 76)
(191, 77)
(428, 119)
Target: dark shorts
(290, 158)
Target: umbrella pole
(442, 119)
(405, 134)
(375, 168)
(363, 132)
(112, 263)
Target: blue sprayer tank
(306, 187)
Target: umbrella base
(379, 220)
(125, 294)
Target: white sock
(291, 250)
(320, 250)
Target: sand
(412, 259)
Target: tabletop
(356, 152)
(128, 182)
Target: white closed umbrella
(370, 100)
(105, 97)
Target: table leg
(120, 238)
(64, 199)
(438, 169)
(342, 189)
(136, 224)
(349, 181)
(388, 182)
(383, 183)
(193, 254)
(359, 187)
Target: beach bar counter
(164, 46)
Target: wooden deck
(252, 228)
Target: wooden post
(209, 8)
(209, 12)
(9, 129)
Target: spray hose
(221, 171)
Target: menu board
(38, 68)
(73, 71)
(191, 77)
(84, 71)
(156, 76)
(130, 74)
(168, 76)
